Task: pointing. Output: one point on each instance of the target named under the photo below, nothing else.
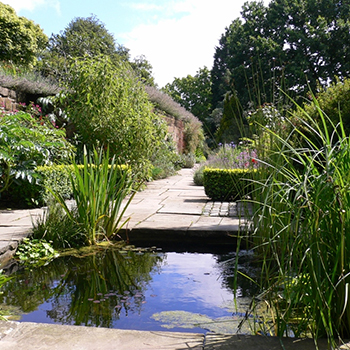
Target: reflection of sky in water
(185, 282)
(190, 279)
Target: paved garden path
(168, 210)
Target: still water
(133, 289)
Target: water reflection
(125, 289)
(88, 291)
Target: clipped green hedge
(25, 194)
(227, 184)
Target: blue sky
(176, 36)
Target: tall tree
(21, 40)
(291, 44)
(82, 37)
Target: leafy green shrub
(55, 178)
(228, 156)
(227, 184)
(27, 142)
(188, 160)
(198, 175)
(109, 106)
(329, 105)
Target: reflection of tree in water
(246, 265)
(85, 291)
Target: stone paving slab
(183, 206)
(173, 205)
(30, 336)
(250, 342)
(38, 336)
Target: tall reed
(302, 229)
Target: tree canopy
(294, 45)
(82, 37)
(21, 40)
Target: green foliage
(143, 70)
(188, 160)
(194, 94)
(289, 44)
(20, 39)
(57, 178)
(198, 176)
(166, 161)
(109, 106)
(82, 37)
(227, 184)
(233, 124)
(301, 229)
(26, 143)
(57, 227)
(165, 105)
(334, 102)
(35, 252)
(98, 191)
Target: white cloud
(31, 5)
(180, 45)
(185, 36)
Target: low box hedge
(227, 184)
(23, 193)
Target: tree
(143, 70)
(109, 106)
(194, 94)
(21, 40)
(232, 124)
(83, 37)
(291, 44)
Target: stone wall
(9, 99)
(176, 129)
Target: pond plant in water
(98, 192)
(301, 228)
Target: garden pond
(136, 288)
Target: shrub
(198, 176)
(227, 184)
(109, 106)
(27, 142)
(332, 102)
(228, 156)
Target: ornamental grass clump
(302, 230)
(98, 192)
